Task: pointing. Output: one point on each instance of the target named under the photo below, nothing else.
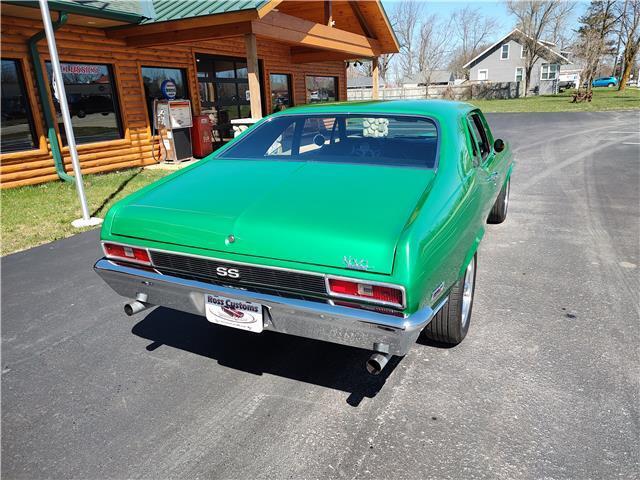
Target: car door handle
(492, 177)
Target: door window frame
(481, 129)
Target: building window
(154, 77)
(523, 51)
(91, 95)
(504, 52)
(17, 122)
(549, 71)
(519, 74)
(483, 74)
(321, 89)
(280, 91)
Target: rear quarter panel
(446, 226)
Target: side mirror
(498, 145)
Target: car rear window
(402, 141)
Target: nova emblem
(355, 264)
(227, 272)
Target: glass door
(224, 90)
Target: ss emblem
(228, 272)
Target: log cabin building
(232, 59)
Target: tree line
(607, 29)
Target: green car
(353, 223)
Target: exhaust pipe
(377, 361)
(137, 305)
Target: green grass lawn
(39, 214)
(603, 99)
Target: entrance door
(224, 90)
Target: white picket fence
(465, 91)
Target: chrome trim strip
(365, 299)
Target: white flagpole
(86, 219)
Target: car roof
(441, 109)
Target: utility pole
(87, 220)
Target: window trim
(336, 82)
(112, 68)
(516, 75)
(486, 70)
(522, 50)
(31, 121)
(290, 84)
(502, 51)
(548, 65)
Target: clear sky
(497, 9)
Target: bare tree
(472, 31)
(629, 15)
(597, 26)
(536, 19)
(405, 17)
(432, 45)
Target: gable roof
(514, 34)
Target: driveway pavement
(545, 385)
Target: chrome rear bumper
(322, 321)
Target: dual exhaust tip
(376, 363)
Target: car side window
(475, 154)
(481, 135)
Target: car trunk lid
(316, 213)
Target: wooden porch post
(252, 73)
(375, 72)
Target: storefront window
(17, 122)
(322, 89)
(224, 90)
(280, 91)
(152, 79)
(92, 102)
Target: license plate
(234, 313)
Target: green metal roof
(166, 10)
(131, 11)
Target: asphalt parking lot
(546, 385)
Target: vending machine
(173, 122)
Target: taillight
(124, 252)
(371, 292)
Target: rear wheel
(451, 324)
(611, 85)
(498, 212)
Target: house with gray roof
(504, 61)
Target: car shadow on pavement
(306, 360)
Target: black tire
(81, 114)
(448, 326)
(498, 212)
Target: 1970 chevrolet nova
(353, 223)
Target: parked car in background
(353, 223)
(605, 82)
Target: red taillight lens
(130, 254)
(366, 291)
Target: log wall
(81, 44)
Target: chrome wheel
(467, 292)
